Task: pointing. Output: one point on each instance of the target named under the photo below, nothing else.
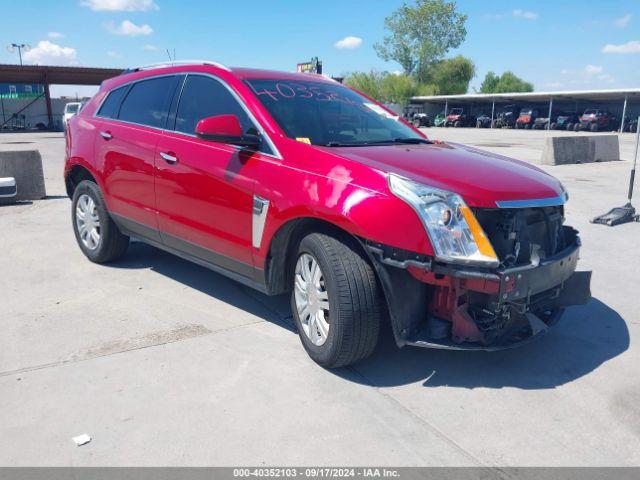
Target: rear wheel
(593, 127)
(527, 126)
(98, 236)
(553, 126)
(576, 127)
(457, 124)
(336, 301)
(416, 123)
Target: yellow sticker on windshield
(304, 140)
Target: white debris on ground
(82, 439)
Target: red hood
(482, 178)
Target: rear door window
(147, 103)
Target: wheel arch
(285, 242)
(75, 174)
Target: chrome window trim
(536, 202)
(276, 153)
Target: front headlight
(452, 227)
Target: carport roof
(56, 75)
(601, 95)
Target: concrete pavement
(165, 363)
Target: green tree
(397, 88)
(506, 83)
(366, 82)
(421, 34)
(452, 75)
(489, 83)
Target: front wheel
(98, 236)
(336, 301)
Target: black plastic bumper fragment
(551, 285)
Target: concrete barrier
(26, 167)
(580, 149)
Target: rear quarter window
(111, 104)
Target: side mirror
(226, 129)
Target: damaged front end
(448, 305)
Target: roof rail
(176, 63)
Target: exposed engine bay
(471, 307)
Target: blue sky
(557, 45)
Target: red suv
(295, 183)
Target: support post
(446, 107)
(624, 114)
(493, 110)
(550, 110)
(47, 99)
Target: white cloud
(150, 48)
(593, 69)
(348, 43)
(554, 84)
(622, 22)
(527, 15)
(129, 29)
(55, 35)
(630, 47)
(113, 54)
(48, 53)
(606, 78)
(120, 5)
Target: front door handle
(106, 135)
(169, 157)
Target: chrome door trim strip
(258, 219)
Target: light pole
(20, 47)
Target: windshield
(525, 112)
(329, 114)
(71, 108)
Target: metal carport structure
(52, 75)
(621, 97)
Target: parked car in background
(458, 117)
(439, 120)
(526, 118)
(483, 121)
(540, 123)
(421, 120)
(632, 125)
(70, 109)
(596, 120)
(507, 117)
(565, 121)
(293, 183)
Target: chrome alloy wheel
(312, 299)
(88, 221)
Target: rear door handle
(169, 157)
(106, 135)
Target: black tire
(569, 126)
(113, 243)
(355, 300)
(457, 124)
(416, 123)
(553, 126)
(593, 127)
(576, 127)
